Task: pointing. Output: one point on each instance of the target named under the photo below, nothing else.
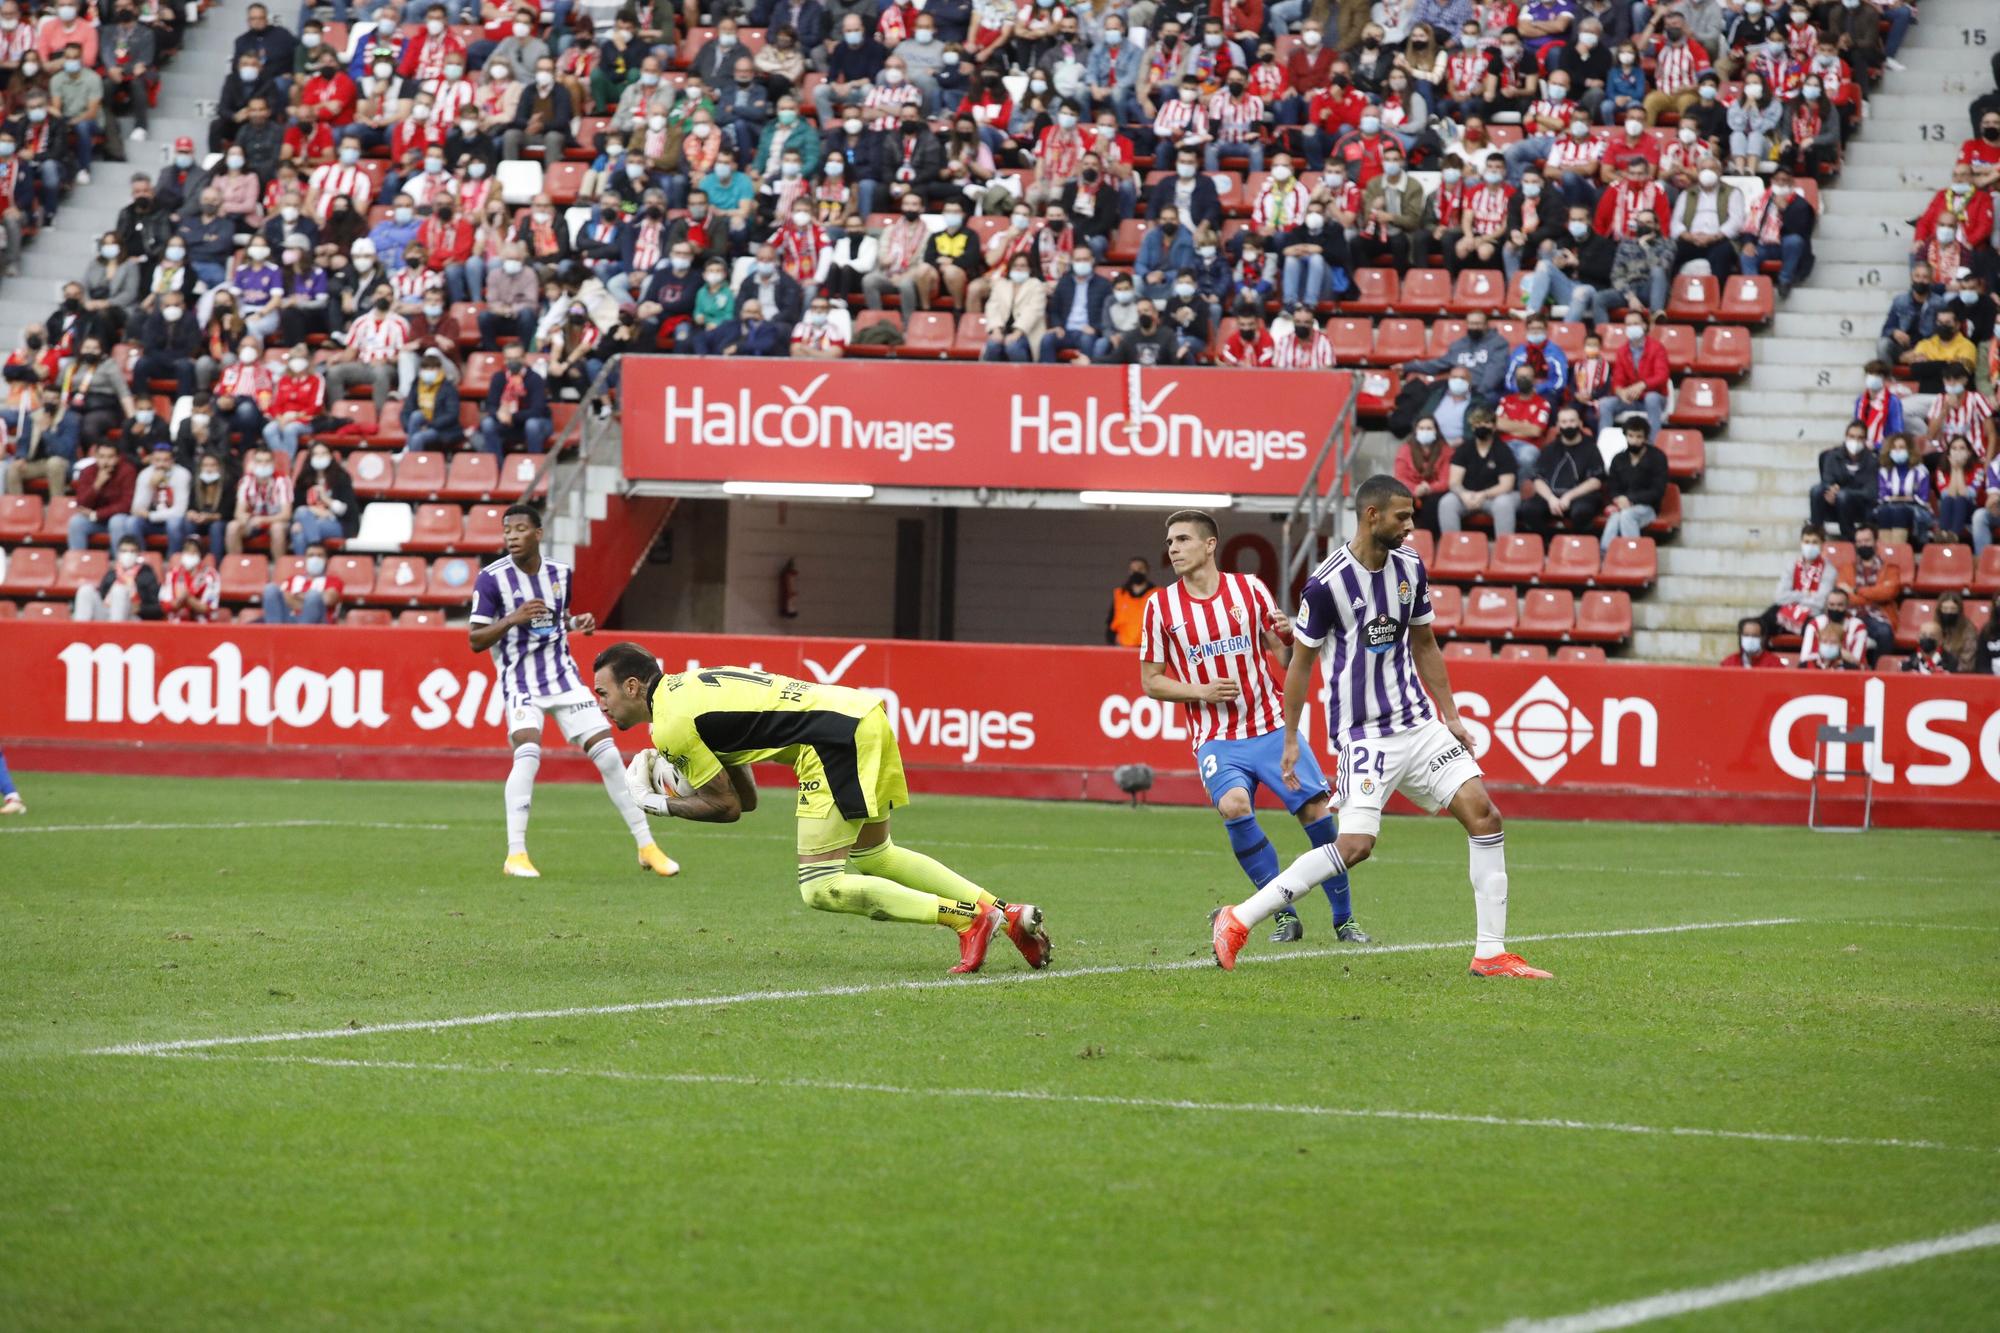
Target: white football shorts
(575, 712)
(1425, 763)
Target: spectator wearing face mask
(1962, 207)
(1152, 343)
(159, 501)
(1480, 351)
(1946, 346)
(1803, 588)
(326, 510)
(1423, 464)
(1908, 320)
(1248, 344)
(1707, 220)
(1571, 271)
(263, 503)
(1639, 378)
(1876, 590)
(1522, 419)
(1846, 493)
(311, 596)
(211, 499)
(191, 592)
(1930, 659)
(1959, 410)
(1315, 259)
(1193, 196)
(1780, 227)
(129, 590)
(371, 347)
(1751, 653)
(1835, 639)
(516, 416)
(1902, 490)
(1635, 485)
(430, 411)
(1482, 479)
(298, 401)
(1958, 483)
(1076, 310)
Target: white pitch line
(1089, 1099)
(1668, 1304)
(880, 987)
(231, 824)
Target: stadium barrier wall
(1088, 428)
(1619, 741)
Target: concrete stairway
(60, 253)
(1806, 369)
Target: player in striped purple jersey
(1391, 721)
(520, 613)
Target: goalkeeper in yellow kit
(712, 723)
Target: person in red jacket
(1249, 343)
(1750, 654)
(103, 490)
(1638, 377)
(1424, 465)
(297, 400)
(426, 54)
(447, 241)
(1308, 69)
(1960, 204)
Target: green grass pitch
(1349, 1139)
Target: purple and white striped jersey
(533, 660)
(1372, 684)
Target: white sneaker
(83, 178)
(138, 134)
(13, 805)
(1891, 62)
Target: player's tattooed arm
(714, 802)
(745, 785)
(1429, 661)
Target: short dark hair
(1749, 621)
(525, 510)
(1377, 491)
(628, 661)
(1202, 522)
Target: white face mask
(1855, 446)
(1635, 333)
(127, 559)
(189, 560)
(1081, 267)
(1809, 551)
(172, 314)
(108, 251)
(1281, 172)
(363, 263)
(1707, 178)
(263, 471)
(1946, 235)
(510, 266)
(1315, 222)
(1184, 290)
(1425, 435)
(210, 478)
(298, 365)
(1460, 388)
(1899, 456)
(248, 356)
(430, 376)
(315, 565)
(1311, 37)
(321, 462)
(259, 253)
(1750, 644)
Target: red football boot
(1024, 927)
(972, 941)
(1227, 936)
(1508, 965)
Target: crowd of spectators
(1919, 463)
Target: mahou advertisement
(1569, 740)
(968, 424)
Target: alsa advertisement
(968, 424)
(1577, 740)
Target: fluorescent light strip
(1155, 499)
(799, 490)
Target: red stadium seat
(400, 580)
(1632, 562)
(20, 515)
(1604, 617)
(1691, 299)
(55, 521)
(561, 181)
(1899, 555)
(517, 474)
(1910, 622)
(1547, 614)
(1722, 350)
(1490, 613)
(1668, 521)
(77, 568)
(865, 319)
(30, 570)
(1986, 578)
(482, 528)
(1426, 291)
(1124, 244)
(367, 617)
(1523, 652)
(420, 619)
(970, 342)
(1353, 340)
(451, 581)
(1687, 455)
(1424, 545)
(242, 577)
(1568, 334)
(355, 572)
(1461, 557)
(1478, 289)
(1397, 341)
(1580, 652)
(418, 477)
(1377, 291)
(1571, 560)
(1443, 333)
(1375, 394)
(1515, 559)
(45, 611)
(437, 528)
(284, 567)
(373, 475)
(1945, 568)
(1702, 403)
(1678, 341)
(929, 334)
(1470, 649)
(472, 476)
(1446, 607)
(479, 371)
(1746, 299)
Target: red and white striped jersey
(334, 181)
(378, 337)
(448, 98)
(1236, 119)
(1488, 207)
(1575, 154)
(1279, 205)
(1291, 352)
(1853, 635)
(1204, 639)
(1176, 120)
(1970, 415)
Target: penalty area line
(880, 988)
(1089, 1099)
(1754, 1286)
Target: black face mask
(1146, 322)
(1926, 644)
(1862, 552)
(1991, 134)
(1136, 581)
(1571, 433)
(1482, 432)
(1920, 289)
(72, 304)
(1947, 618)
(1836, 616)
(381, 305)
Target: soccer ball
(652, 774)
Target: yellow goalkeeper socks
(888, 861)
(828, 886)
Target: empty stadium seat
(416, 618)
(562, 180)
(1397, 341)
(385, 526)
(1632, 562)
(1580, 652)
(31, 570)
(1668, 521)
(969, 343)
(1547, 613)
(1571, 559)
(1447, 606)
(482, 528)
(1478, 289)
(1603, 617)
(1746, 299)
(373, 475)
(1123, 248)
(1461, 557)
(1945, 568)
(20, 516)
(1678, 341)
(419, 476)
(1376, 292)
(1523, 652)
(1686, 451)
(1691, 299)
(517, 474)
(1426, 291)
(928, 334)
(1722, 349)
(436, 528)
(1353, 340)
(1473, 649)
(472, 475)
(1701, 402)
(365, 616)
(77, 568)
(1516, 559)
(45, 611)
(1986, 576)
(241, 578)
(400, 580)
(10, 610)
(451, 581)
(1424, 545)
(1490, 613)
(1899, 555)
(55, 521)
(355, 572)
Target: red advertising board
(1611, 741)
(968, 424)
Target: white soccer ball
(653, 774)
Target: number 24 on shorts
(1356, 761)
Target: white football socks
(1293, 882)
(1489, 893)
(612, 769)
(521, 795)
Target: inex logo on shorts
(1543, 730)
